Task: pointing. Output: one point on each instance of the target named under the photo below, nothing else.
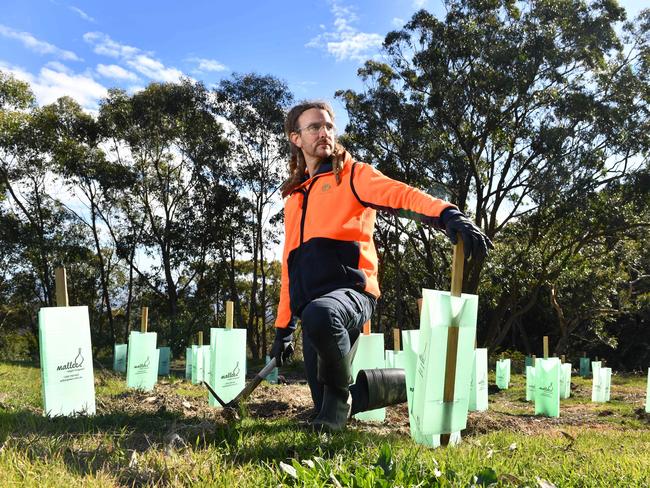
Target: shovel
(231, 409)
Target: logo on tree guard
(547, 389)
(74, 364)
(233, 374)
(143, 365)
(326, 187)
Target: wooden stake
(396, 339)
(419, 305)
(545, 347)
(229, 314)
(534, 359)
(562, 358)
(584, 354)
(366, 328)
(144, 320)
(61, 287)
(457, 264)
(200, 338)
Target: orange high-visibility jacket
(328, 232)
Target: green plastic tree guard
(647, 395)
(584, 367)
(207, 362)
(440, 310)
(164, 358)
(370, 355)
(503, 373)
(601, 384)
(478, 396)
(565, 381)
(530, 383)
(67, 379)
(409, 361)
(119, 357)
(142, 363)
(228, 368)
(188, 363)
(596, 390)
(547, 393)
(197, 364)
(272, 377)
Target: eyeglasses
(314, 129)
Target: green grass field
(170, 437)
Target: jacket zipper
(305, 193)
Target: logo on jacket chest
(326, 188)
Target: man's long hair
(297, 164)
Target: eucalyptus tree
(80, 160)
(40, 221)
(165, 134)
(255, 108)
(508, 108)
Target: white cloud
(36, 45)
(81, 13)
(418, 4)
(154, 69)
(55, 80)
(208, 65)
(345, 42)
(116, 72)
(397, 22)
(135, 58)
(106, 46)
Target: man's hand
(475, 241)
(282, 348)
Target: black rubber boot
(335, 410)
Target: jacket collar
(324, 168)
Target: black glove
(282, 348)
(476, 243)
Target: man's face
(317, 144)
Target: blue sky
(81, 48)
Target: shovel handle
(457, 263)
(254, 383)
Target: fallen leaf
(150, 399)
(513, 446)
(133, 462)
(290, 470)
(309, 463)
(489, 454)
(335, 481)
(542, 483)
(186, 404)
(437, 473)
(568, 436)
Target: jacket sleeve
(375, 190)
(284, 318)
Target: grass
(169, 437)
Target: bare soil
(292, 401)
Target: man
(329, 263)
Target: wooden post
(229, 314)
(144, 320)
(534, 359)
(584, 354)
(61, 287)
(366, 328)
(396, 339)
(200, 338)
(457, 264)
(545, 347)
(419, 305)
(562, 358)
